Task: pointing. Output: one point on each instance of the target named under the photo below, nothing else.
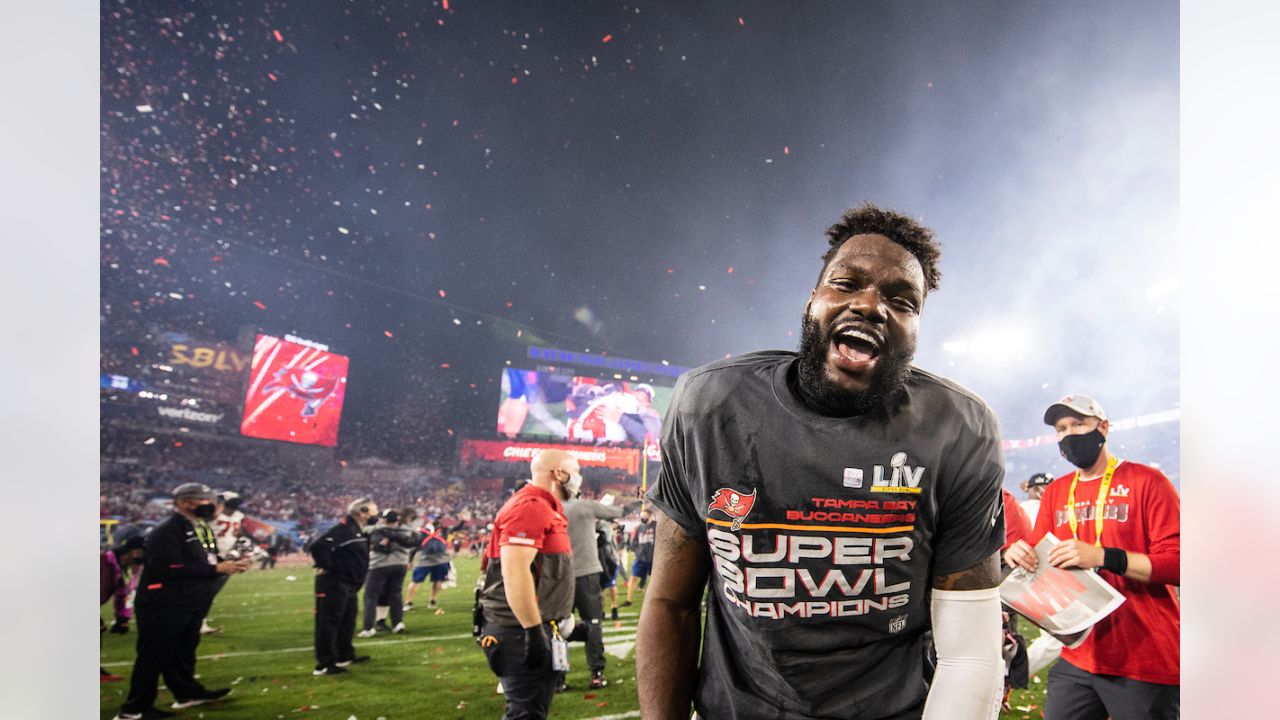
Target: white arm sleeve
(970, 676)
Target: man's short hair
(867, 219)
(358, 505)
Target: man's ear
(1105, 427)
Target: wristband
(1115, 560)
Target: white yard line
(619, 716)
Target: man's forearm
(667, 659)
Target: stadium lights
(1166, 287)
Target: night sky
(430, 187)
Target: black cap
(135, 542)
(1039, 480)
(196, 490)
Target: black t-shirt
(824, 534)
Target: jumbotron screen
(577, 408)
(295, 393)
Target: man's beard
(887, 380)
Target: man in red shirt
(1121, 518)
(528, 584)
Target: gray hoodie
(582, 515)
(390, 545)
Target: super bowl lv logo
(734, 504)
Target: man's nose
(869, 303)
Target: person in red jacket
(1120, 518)
(1017, 526)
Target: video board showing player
(581, 409)
(295, 393)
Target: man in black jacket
(341, 558)
(174, 593)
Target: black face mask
(1082, 450)
(232, 505)
(373, 520)
(205, 512)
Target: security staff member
(528, 584)
(341, 558)
(174, 593)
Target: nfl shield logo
(853, 477)
(896, 624)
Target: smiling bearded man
(841, 503)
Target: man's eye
(904, 303)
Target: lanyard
(205, 533)
(1099, 506)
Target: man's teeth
(859, 335)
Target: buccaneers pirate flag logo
(733, 504)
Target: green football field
(434, 670)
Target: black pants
(336, 604)
(383, 587)
(588, 601)
(1078, 695)
(167, 640)
(528, 692)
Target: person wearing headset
(341, 556)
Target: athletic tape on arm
(967, 634)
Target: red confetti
(730, 269)
(589, 696)
(259, 304)
(387, 333)
(786, 150)
(742, 22)
(514, 81)
(606, 38)
(444, 365)
(446, 4)
(272, 76)
(217, 258)
(133, 351)
(441, 293)
(455, 123)
(670, 270)
(279, 37)
(337, 153)
(161, 261)
(509, 303)
(177, 443)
